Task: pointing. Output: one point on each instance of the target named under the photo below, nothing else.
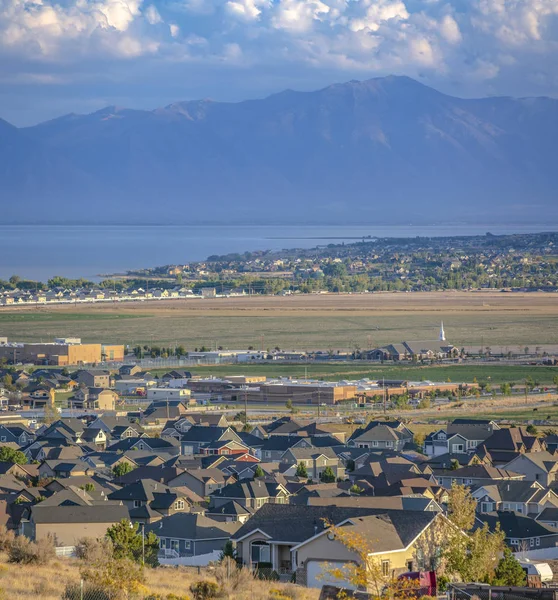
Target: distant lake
(41, 251)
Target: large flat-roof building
(61, 352)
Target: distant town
(523, 262)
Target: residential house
(523, 497)
(197, 437)
(316, 460)
(296, 539)
(203, 482)
(68, 524)
(93, 398)
(250, 494)
(475, 475)
(522, 533)
(17, 434)
(505, 444)
(148, 500)
(93, 378)
(230, 512)
(379, 436)
(536, 466)
(186, 535)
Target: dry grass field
(300, 322)
(26, 582)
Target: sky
(62, 56)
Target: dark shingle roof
(190, 526)
(292, 523)
(515, 525)
(106, 513)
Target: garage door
(318, 574)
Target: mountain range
(384, 150)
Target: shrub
(24, 551)
(92, 550)
(6, 538)
(204, 590)
(121, 578)
(231, 578)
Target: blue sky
(60, 56)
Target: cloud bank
(92, 51)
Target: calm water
(41, 251)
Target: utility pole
(384, 393)
(245, 405)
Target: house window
(389, 444)
(162, 543)
(175, 545)
(409, 565)
(179, 505)
(385, 567)
(3, 438)
(261, 552)
(514, 542)
(267, 454)
(187, 545)
(374, 444)
(538, 541)
(137, 503)
(532, 542)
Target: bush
(6, 538)
(204, 590)
(231, 578)
(24, 551)
(92, 550)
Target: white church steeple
(442, 337)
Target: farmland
(302, 322)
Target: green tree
(301, 470)
(258, 472)
(532, 430)
(509, 572)
(355, 489)
(461, 507)
(327, 476)
(10, 455)
(122, 468)
(228, 550)
(129, 543)
(289, 404)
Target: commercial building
(61, 352)
(168, 393)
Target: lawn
(495, 374)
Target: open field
(304, 322)
(493, 373)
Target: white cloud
(496, 46)
(152, 15)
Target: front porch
(274, 556)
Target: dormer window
(179, 505)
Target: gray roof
(191, 526)
(106, 513)
(296, 524)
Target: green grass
(496, 374)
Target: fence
(487, 592)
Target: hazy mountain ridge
(383, 149)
